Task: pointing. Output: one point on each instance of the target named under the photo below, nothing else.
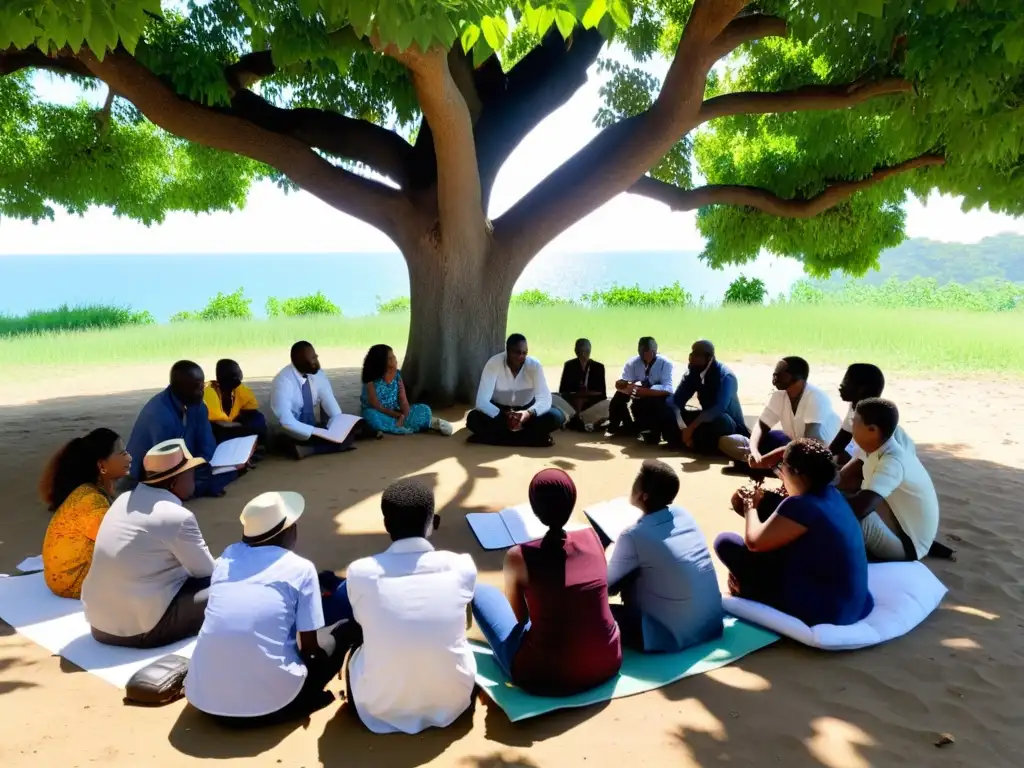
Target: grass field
(913, 340)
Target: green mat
(640, 672)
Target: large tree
(796, 126)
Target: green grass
(65, 318)
(909, 340)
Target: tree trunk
(460, 301)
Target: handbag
(158, 683)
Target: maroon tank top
(573, 641)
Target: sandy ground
(961, 673)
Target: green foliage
(635, 296)
(223, 306)
(394, 306)
(917, 293)
(1000, 257)
(534, 297)
(744, 290)
(66, 318)
(299, 306)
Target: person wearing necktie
(296, 392)
(641, 394)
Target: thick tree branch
(747, 28)
(805, 99)
(363, 198)
(250, 69)
(13, 59)
(622, 153)
(755, 197)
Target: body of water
(166, 283)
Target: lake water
(165, 284)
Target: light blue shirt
(663, 568)
(661, 375)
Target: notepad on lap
(339, 428)
(232, 454)
(611, 518)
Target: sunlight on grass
(903, 339)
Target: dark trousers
(288, 443)
(758, 573)
(182, 619)
(634, 415)
(251, 423)
(705, 436)
(494, 431)
(209, 484)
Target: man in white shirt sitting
(295, 394)
(640, 403)
(860, 382)
(513, 401)
(264, 655)
(890, 491)
(146, 586)
(797, 406)
(415, 668)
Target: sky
(273, 222)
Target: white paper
(232, 454)
(522, 524)
(490, 530)
(338, 429)
(31, 564)
(613, 517)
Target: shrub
(317, 304)
(918, 293)
(534, 297)
(744, 290)
(635, 296)
(223, 306)
(66, 318)
(393, 306)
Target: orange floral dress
(70, 539)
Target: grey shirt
(147, 546)
(663, 568)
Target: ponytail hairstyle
(75, 464)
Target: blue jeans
(209, 484)
(334, 592)
(499, 625)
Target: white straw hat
(270, 513)
(167, 459)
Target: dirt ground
(961, 673)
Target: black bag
(159, 683)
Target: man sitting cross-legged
(295, 394)
(582, 395)
(264, 655)
(717, 391)
(513, 401)
(662, 567)
(415, 668)
(638, 405)
(799, 407)
(232, 407)
(890, 491)
(861, 381)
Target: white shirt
(246, 661)
(900, 435)
(900, 478)
(661, 374)
(286, 399)
(415, 668)
(499, 385)
(148, 545)
(814, 408)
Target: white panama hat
(270, 513)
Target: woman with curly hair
(807, 557)
(78, 486)
(385, 406)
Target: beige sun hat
(270, 513)
(167, 459)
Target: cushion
(905, 594)
(158, 683)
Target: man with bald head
(717, 391)
(180, 413)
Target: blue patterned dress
(418, 419)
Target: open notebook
(339, 428)
(232, 454)
(611, 518)
(511, 526)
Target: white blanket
(59, 625)
(905, 594)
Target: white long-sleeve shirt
(498, 386)
(661, 375)
(286, 399)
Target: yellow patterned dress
(70, 539)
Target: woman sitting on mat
(806, 558)
(385, 406)
(78, 486)
(552, 631)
